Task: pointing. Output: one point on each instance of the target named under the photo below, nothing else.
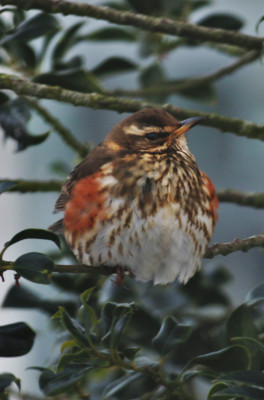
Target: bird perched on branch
(139, 202)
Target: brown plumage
(139, 202)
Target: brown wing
(99, 156)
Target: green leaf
(16, 339)
(204, 92)
(258, 23)
(76, 79)
(4, 98)
(153, 76)
(53, 384)
(19, 16)
(119, 384)
(32, 28)
(224, 360)
(200, 3)
(66, 42)
(35, 267)
(89, 316)
(222, 21)
(5, 186)
(255, 296)
(20, 297)
(254, 378)
(217, 387)
(170, 335)
(148, 7)
(69, 358)
(241, 392)
(241, 324)
(72, 326)
(33, 233)
(14, 116)
(114, 319)
(114, 65)
(6, 379)
(110, 34)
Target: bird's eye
(152, 135)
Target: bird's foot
(120, 276)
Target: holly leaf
(35, 267)
(14, 116)
(16, 339)
(75, 79)
(32, 28)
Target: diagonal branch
(173, 87)
(162, 25)
(25, 87)
(64, 132)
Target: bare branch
(236, 245)
(23, 186)
(255, 200)
(95, 100)
(162, 25)
(64, 132)
(212, 251)
(171, 87)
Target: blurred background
(229, 160)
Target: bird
(138, 201)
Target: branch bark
(25, 87)
(247, 199)
(172, 87)
(161, 25)
(255, 200)
(24, 186)
(212, 251)
(64, 132)
(236, 245)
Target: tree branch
(212, 251)
(172, 87)
(98, 101)
(162, 25)
(23, 186)
(255, 200)
(238, 244)
(64, 132)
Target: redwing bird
(139, 202)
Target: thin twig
(64, 132)
(237, 244)
(162, 25)
(98, 101)
(173, 87)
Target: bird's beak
(187, 124)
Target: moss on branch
(161, 25)
(25, 87)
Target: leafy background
(229, 160)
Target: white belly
(160, 248)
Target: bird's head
(149, 130)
